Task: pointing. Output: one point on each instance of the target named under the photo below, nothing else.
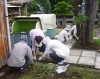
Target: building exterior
(4, 34)
(16, 8)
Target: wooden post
(24, 9)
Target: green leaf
(80, 19)
(62, 9)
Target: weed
(94, 34)
(97, 41)
(58, 31)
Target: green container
(24, 25)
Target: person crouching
(56, 50)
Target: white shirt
(74, 28)
(75, 31)
(17, 57)
(63, 35)
(55, 45)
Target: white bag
(61, 69)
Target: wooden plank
(4, 50)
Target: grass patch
(43, 70)
(46, 71)
(97, 41)
(77, 73)
(39, 71)
(58, 31)
(94, 46)
(94, 34)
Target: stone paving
(83, 56)
(79, 56)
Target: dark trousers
(54, 56)
(42, 48)
(26, 60)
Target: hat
(46, 40)
(68, 27)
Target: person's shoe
(23, 70)
(62, 62)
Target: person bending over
(56, 50)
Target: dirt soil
(10, 74)
(8, 71)
(15, 74)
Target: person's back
(62, 35)
(56, 50)
(60, 47)
(73, 27)
(74, 32)
(17, 57)
(36, 32)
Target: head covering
(46, 40)
(68, 27)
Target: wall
(4, 47)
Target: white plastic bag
(61, 69)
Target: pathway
(83, 56)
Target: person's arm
(66, 36)
(34, 54)
(29, 54)
(75, 34)
(33, 50)
(46, 52)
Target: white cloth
(18, 53)
(63, 35)
(55, 45)
(33, 33)
(75, 31)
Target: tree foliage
(85, 25)
(79, 19)
(33, 7)
(37, 5)
(99, 4)
(53, 2)
(45, 4)
(62, 9)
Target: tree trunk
(64, 22)
(76, 10)
(91, 10)
(78, 30)
(82, 34)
